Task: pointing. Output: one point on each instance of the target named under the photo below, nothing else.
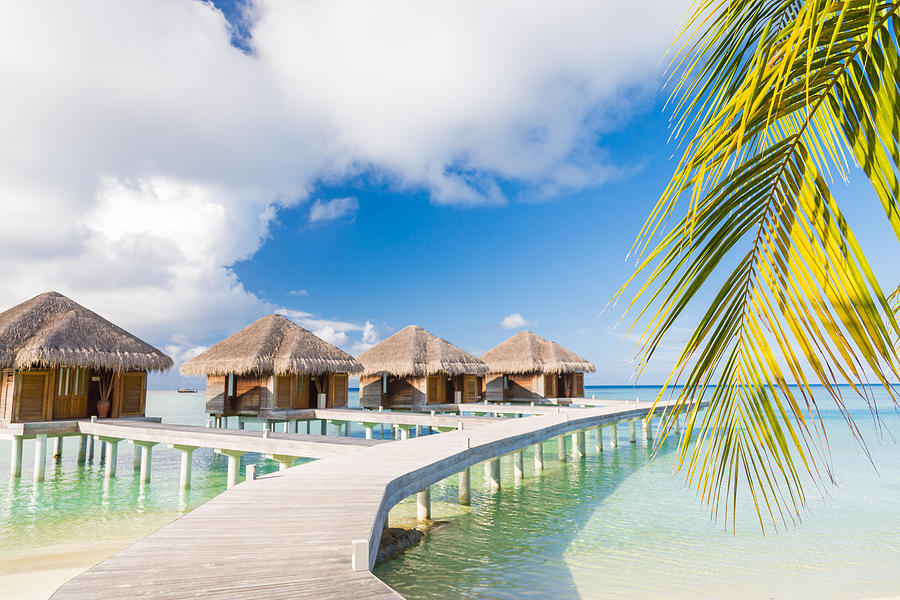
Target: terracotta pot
(103, 409)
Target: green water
(613, 526)
(622, 526)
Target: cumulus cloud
(330, 210)
(144, 154)
(298, 293)
(516, 321)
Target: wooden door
(133, 392)
(579, 385)
(550, 386)
(7, 379)
(285, 391)
(338, 393)
(31, 394)
(303, 397)
(70, 387)
(470, 393)
(434, 388)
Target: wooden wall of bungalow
(529, 387)
(60, 393)
(389, 391)
(250, 395)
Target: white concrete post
(347, 429)
(418, 431)
(321, 401)
(404, 431)
(146, 458)
(15, 467)
(423, 504)
(538, 457)
(57, 447)
(648, 431)
(631, 433)
(249, 472)
(234, 465)
(359, 559)
(614, 435)
(370, 430)
(324, 427)
(112, 451)
(561, 448)
(598, 444)
(677, 428)
(40, 457)
(82, 448)
(102, 449)
(91, 448)
(285, 461)
(464, 487)
(578, 444)
(136, 459)
(186, 457)
(494, 473)
(519, 465)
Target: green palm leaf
(773, 100)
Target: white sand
(36, 577)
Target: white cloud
(330, 210)
(298, 293)
(369, 339)
(331, 335)
(516, 321)
(143, 154)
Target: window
(229, 386)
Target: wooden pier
(318, 535)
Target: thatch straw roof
(273, 344)
(414, 352)
(52, 331)
(526, 352)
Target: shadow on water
(512, 543)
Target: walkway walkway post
(539, 457)
(370, 430)
(423, 504)
(464, 485)
(15, 466)
(614, 435)
(82, 448)
(234, 465)
(519, 465)
(404, 431)
(285, 461)
(677, 428)
(561, 448)
(40, 457)
(598, 444)
(494, 473)
(57, 447)
(631, 433)
(578, 444)
(146, 456)
(187, 452)
(648, 431)
(112, 451)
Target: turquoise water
(622, 526)
(613, 526)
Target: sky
(184, 167)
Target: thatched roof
(414, 352)
(273, 344)
(526, 352)
(52, 331)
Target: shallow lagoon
(608, 527)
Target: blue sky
(356, 166)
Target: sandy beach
(37, 576)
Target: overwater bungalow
(272, 364)
(414, 367)
(60, 361)
(527, 367)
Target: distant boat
(187, 391)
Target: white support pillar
(234, 465)
(102, 450)
(561, 448)
(91, 441)
(309, 426)
(136, 459)
(418, 431)
(464, 487)
(359, 559)
(494, 473)
(146, 458)
(240, 423)
(538, 457)
(614, 435)
(15, 465)
(598, 444)
(112, 451)
(324, 427)
(648, 431)
(519, 465)
(632, 437)
(370, 430)
(82, 448)
(285, 461)
(347, 429)
(677, 428)
(578, 444)
(187, 452)
(57, 447)
(404, 431)
(40, 457)
(423, 504)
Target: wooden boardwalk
(290, 534)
